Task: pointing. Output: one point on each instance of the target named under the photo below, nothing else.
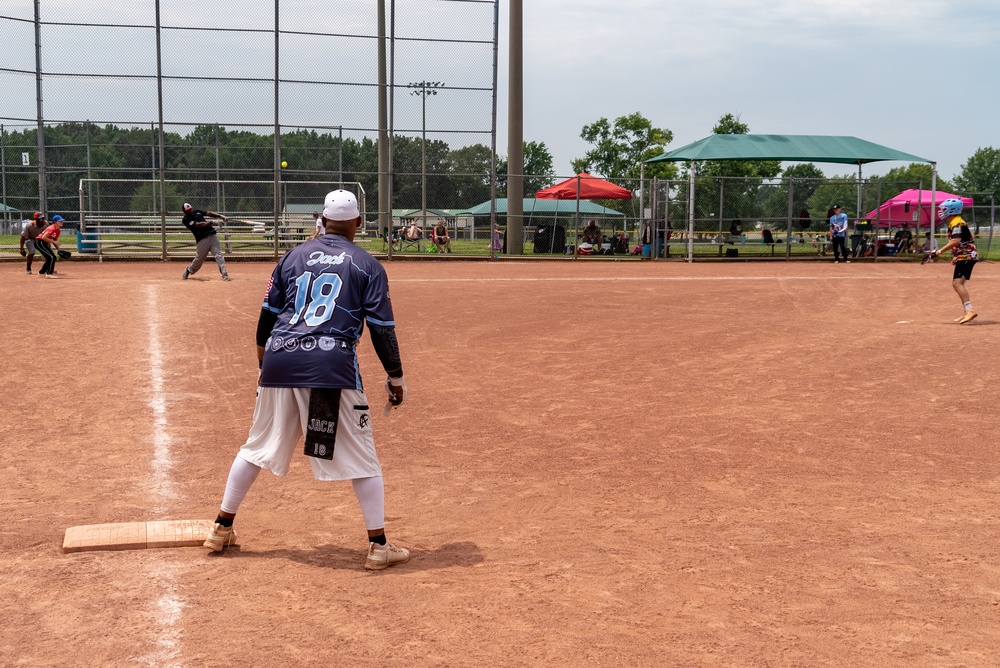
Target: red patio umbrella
(590, 187)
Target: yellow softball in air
(284, 164)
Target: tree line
(752, 188)
(456, 177)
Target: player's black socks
(224, 521)
(380, 539)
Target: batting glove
(396, 389)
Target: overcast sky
(920, 76)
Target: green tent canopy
(547, 207)
(790, 148)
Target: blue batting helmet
(950, 207)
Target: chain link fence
(185, 93)
(755, 218)
(120, 218)
(109, 107)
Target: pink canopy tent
(912, 208)
(590, 187)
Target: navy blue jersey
(197, 216)
(322, 292)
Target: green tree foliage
(980, 176)
(538, 172)
(621, 147)
(456, 178)
(801, 180)
(731, 125)
(914, 175)
(842, 190)
(736, 184)
(146, 198)
(469, 170)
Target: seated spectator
(411, 234)
(592, 235)
(439, 235)
(903, 240)
(928, 244)
(735, 231)
(869, 246)
(397, 236)
(766, 237)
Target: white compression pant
(241, 476)
(371, 496)
(370, 492)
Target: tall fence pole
(163, 164)
(277, 130)
(690, 240)
(43, 204)
(515, 130)
(384, 177)
(788, 234)
(493, 131)
(3, 173)
(390, 152)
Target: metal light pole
(424, 89)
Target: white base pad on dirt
(136, 535)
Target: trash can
(86, 242)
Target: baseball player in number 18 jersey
(319, 299)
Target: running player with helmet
(963, 250)
(318, 300)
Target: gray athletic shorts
(279, 424)
(29, 246)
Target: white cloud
(807, 66)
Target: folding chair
(405, 242)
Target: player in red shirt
(44, 243)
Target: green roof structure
(789, 148)
(547, 207)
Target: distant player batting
(206, 238)
(318, 300)
(964, 253)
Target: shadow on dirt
(338, 557)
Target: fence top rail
(240, 182)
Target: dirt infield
(613, 464)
